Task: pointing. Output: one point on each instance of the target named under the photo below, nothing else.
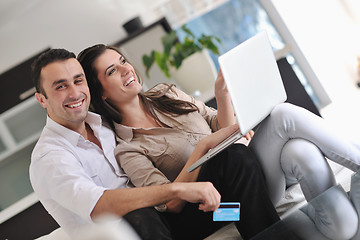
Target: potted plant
(175, 52)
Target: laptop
(255, 86)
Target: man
(73, 169)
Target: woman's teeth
(132, 79)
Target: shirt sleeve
(208, 113)
(58, 175)
(137, 166)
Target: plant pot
(133, 25)
(196, 75)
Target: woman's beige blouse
(156, 156)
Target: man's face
(67, 94)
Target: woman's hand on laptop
(246, 138)
(249, 135)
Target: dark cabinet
(16, 81)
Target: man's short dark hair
(44, 59)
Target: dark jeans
(238, 177)
(149, 224)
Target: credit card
(227, 211)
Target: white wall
(321, 28)
(329, 39)
(27, 27)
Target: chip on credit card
(227, 211)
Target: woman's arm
(225, 111)
(201, 148)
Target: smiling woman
(115, 73)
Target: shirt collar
(124, 132)
(95, 122)
(93, 119)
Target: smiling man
(69, 96)
(73, 169)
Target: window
(234, 21)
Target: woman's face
(117, 77)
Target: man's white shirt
(69, 174)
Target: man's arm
(124, 200)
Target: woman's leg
(329, 207)
(355, 198)
(333, 214)
(328, 216)
(288, 122)
(302, 162)
(238, 177)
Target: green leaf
(161, 60)
(148, 62)
(177, 59)
(169, 41)
(187, 48)
(188, 31)
(207, 42)
(174, 52)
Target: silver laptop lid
(253, 80)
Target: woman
(163, 131)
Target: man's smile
(77, 104)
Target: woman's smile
(130, 81)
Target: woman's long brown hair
(151, 100)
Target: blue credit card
(229, 211)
